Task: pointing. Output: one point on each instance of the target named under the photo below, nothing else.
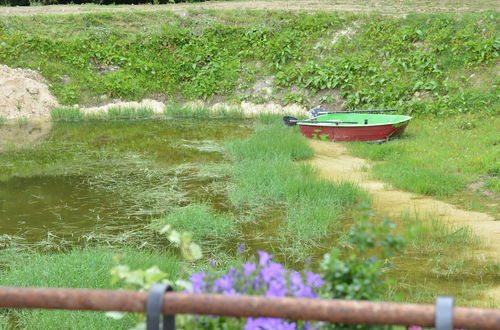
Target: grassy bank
(451, 158)
(89, 268)
(422, 63)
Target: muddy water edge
(75, 182)
(453, 252)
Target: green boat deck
(360, 118)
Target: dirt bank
(393, 7)
(24, 93)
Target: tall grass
(87, 268)
(441, 258)
(432, 236)
(266, 177)
(113, 113)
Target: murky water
(89, 176)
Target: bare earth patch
(24, 93)
(392, 7)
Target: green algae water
(108, 176)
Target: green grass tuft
(439, 157)
(66, 114)
(116, 113)
(272, 142)
(205, 224)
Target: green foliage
(144, 279)
(359, 275)
(3, 120)
(422, 64)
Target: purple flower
(273, 270)
(314, 280)
(197, 280)
(241, 248)
(264, 258)
(248, 268)
(277, 288)
(265, 323)
(296, 279)
(264, 278)
(298, 287)
(224, 284)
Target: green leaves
(138, 279)
(359, 275)
(190, 251)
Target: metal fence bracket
(444, 313)
(154, 308)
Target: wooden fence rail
(335, 311)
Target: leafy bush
(359, 275)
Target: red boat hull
(356, 133)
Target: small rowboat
(363, 125)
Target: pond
(90, 177)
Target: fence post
(444, 313)
(154, 308)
